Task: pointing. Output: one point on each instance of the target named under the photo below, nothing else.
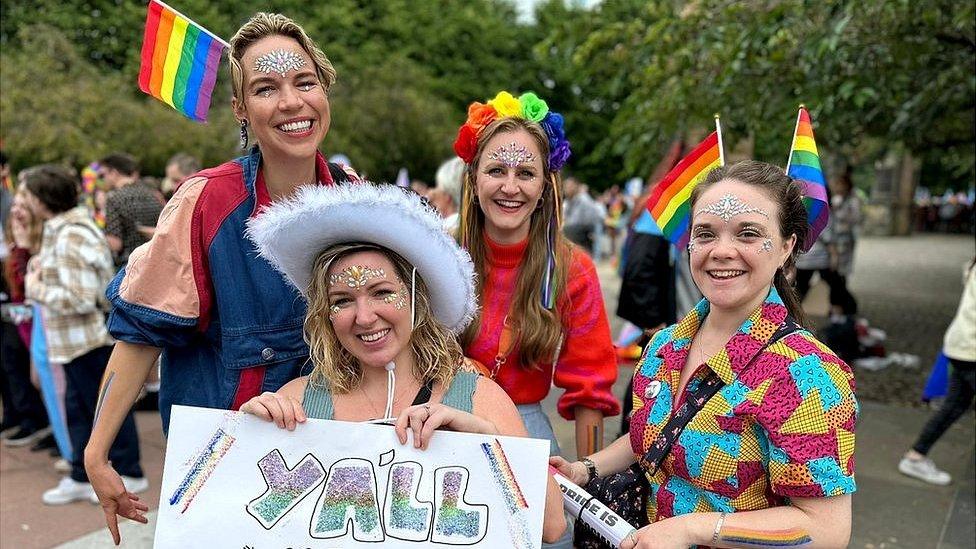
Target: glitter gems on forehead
(356, 276)
(512, 155)
(730, 206)
(279, 61)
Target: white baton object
(600, 518)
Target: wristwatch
(590, 469)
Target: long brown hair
(785, 192)
(437, 354)
(539, 329)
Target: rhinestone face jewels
(691, 247)
(279, 61)
(512, 155)
(399, 298)
(730, 206)
(356, 276)
(767, 246)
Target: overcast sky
(525, 6)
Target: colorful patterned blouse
(782, 426)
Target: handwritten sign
(232, 480)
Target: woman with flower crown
(542, 321)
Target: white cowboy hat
(291, 234)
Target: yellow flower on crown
(506, 105)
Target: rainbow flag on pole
(179, 61)
(804, 166)
(670, 203)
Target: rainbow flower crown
(528, 106)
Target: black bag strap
(423, 395)
(696, 401)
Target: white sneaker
(132, 484)
(62, 465)
(135, 485)
(66, 491)
(924, 469)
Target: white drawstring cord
(390, 376)
(413, 298)
(390, 386)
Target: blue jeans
(537, 424)
(83, 376)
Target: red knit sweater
(587, 365)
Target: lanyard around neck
(506, 342)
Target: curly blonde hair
(437, 354)
(539, 329)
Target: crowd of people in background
(62, 243)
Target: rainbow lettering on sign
(286, 487)
(349, 495)
(203, 466)
(408, 517)
(457, 521)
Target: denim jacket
(229, 325)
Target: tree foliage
(629, 75)
(897, 72)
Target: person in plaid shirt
(766, 460)
(67, 278)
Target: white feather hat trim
(292, 232)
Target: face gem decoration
(279, 61)
(767, 246)
(398, 299)
(356, 276)
(512, 155)
(730, 206)
(691, 247)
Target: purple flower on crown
(559, 151)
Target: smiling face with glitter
(736, 245)
(509, 184)
(369, 307)
(283, 101)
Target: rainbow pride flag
(804, 166)
(670, 203)
(179, 61)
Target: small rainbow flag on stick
(804, 166)
(179, 61)
(670, 203)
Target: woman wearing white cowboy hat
(387, 293)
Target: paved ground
(909, 287)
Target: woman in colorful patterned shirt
(542, 321)
(769, 459)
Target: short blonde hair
(437, 353)
(262, 25)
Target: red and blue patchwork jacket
(230, 326)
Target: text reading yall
(350, 499)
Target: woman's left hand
(424, 419)
(666, 534)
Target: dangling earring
(244, 134)
(538, 205)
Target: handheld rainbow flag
(179, 61)
(670, 203)
(804, 166)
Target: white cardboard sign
(233, 480)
